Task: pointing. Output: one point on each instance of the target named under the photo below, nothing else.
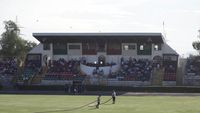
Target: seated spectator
(8, 66)
(132, 69)
(62, 69)
(193, 66)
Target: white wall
(91, 58)
(113, 58)
(72, 52)
(129, 52)
(48, 53)
(157, 52)
(87, 70)
(106, 69)
(168, 50)
(39, 49)
(109, 58)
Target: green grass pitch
(124, 104)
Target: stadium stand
(170, 73)
(8, 72)
(192, 67)
(134, 70)
(63, 70)
(192, 71)
(99, 57)
(31, 68)
(8, 66)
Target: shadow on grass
(92, 108)
(72, 109)
(109, 104)
(56, 110)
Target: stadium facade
(107, 58)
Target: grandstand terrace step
(37, 79)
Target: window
(46, 46)
(74, 46)
(157, 47)
(125, 47)
(33, 57)
(144, 49)
(129, 47)
(59, 48)
(141, 47)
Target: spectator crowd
(136, 70)
(170, 73)
(193, 66)
(8, 66)
(62, 69)
(31, 68)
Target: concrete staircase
(39, 76)
(157, 77)
(181, 72)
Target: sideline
(106, 93)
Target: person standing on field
(113, 96)
(98, 101)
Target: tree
(9, 39)
(12, 45)
(196, 44)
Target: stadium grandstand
(192, 71)
(108, 59)
(8, 71)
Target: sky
(178, 20)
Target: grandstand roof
(154, 37)
(169, 50)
